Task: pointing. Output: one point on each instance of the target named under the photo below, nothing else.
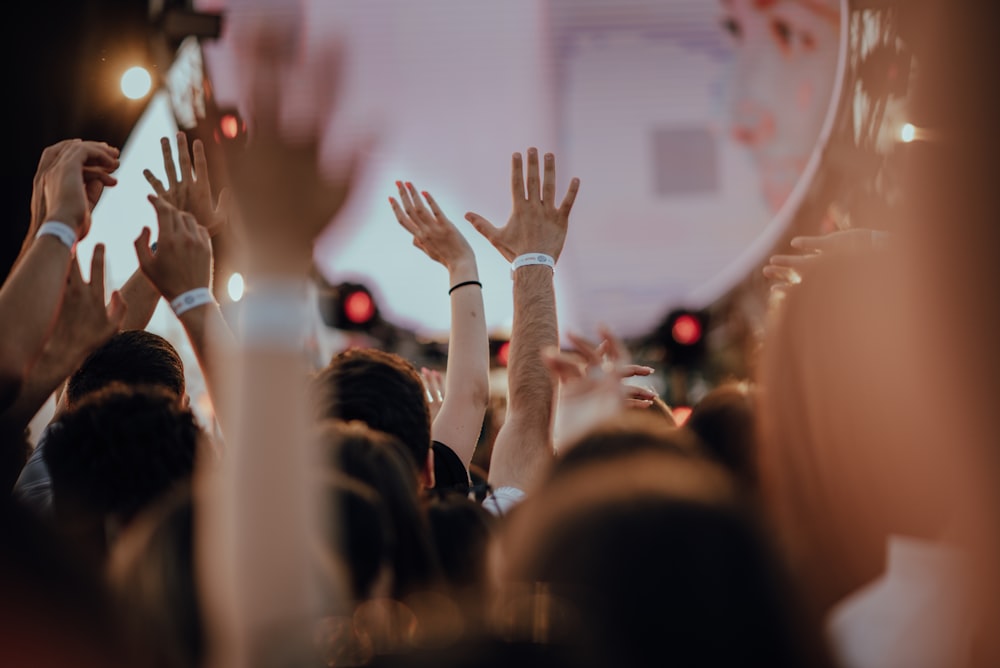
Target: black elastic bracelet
(463, 283)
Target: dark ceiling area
(64, 59)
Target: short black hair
(132, 357)
(382, 390)
(119, 450)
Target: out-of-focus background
(706, 135)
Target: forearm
(213, 344)
(44, 379)
(524, 443)
(142, 298)
(467, 381)
(31, 298)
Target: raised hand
(785, 270)
(70, 179)
(285, 197)
(191, 191)
(183, 258)
(85, 322)
(590, 381)
(432, 232)
(536, 223)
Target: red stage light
(503, 353)
(359, 307)
(687, 330)
(230, 126)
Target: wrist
(464, 271)
(191, 300)
(534, 261)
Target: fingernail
(409, 185)
(399, 184)
(424, 193)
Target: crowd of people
(822, 513)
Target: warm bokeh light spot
(359, 307)
(686, 330)
(136, 83)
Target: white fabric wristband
(275, 314)
(60, 231)
(192, 299)
(532, 258)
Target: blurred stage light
(908, 132)
(235, 286)
(136, 83)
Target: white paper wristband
(532, 258)
(192, 299)
(60, 231)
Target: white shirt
(916, 615)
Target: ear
(427, 474)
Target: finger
(117, 308)
(97, 272)
(184, 157)
(632, 370)
(549, 182)
(567, 203)
(516, 179)
(638, 403)
(403, 219)
(812, 244)
(143, 251)
(586, 349)
(534, 192)
(406, 200)
(782, 274)
(793, 261)
(155, 182)
(435, 209)
(615, 350)
(639, 393)
(418, 202)
(99, 174)
(168, 163)
(200, 161)
(483, 226)
(563, 367)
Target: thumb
(143, 251)
(483, 226)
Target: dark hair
(725, 422)
(462, 530)
(380, 389)
(117, 451)
(648, 559)
(630, 432)
(381, 462)
(153, 575)
(132, 357)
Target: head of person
(113, 454)
(627, 435)
(647, 559)
(381, 463)
(725, 422)
(131, 357)
(786, 55)
(384, 391)
(151, 569)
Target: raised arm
(181, 271)
(532, 241)
(467, 378)
(189, 190)
(84, 324)
(256, 543)
(29, 300)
